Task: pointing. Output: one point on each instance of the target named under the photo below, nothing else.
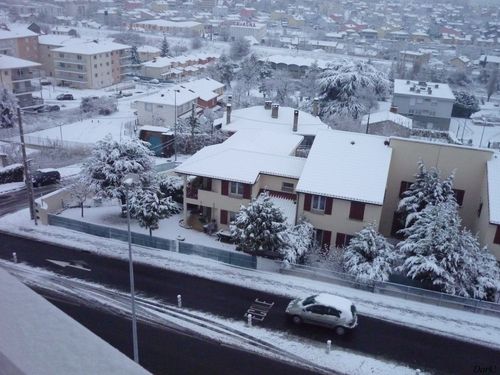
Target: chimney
(315, 107)
(228, 113)
(295, 119)
(393, 109)
(268, 104)
(274, 110)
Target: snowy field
(465, 129)
(439, 320)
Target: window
(159, 106)
(80, 67)
(496, 240)
(357, 211)
(95, 57)
(333, 312)
(95, 66)
(62, 65)
(318, 309)
(405, 185)
(342, 240)
(287, 186)
(61, 55)
(318, 203)
(480, 209)
(95, 75)
(236, 188)
(78, 57)
(459, 196)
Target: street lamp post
(129, 181)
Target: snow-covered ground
(280, 345)
(480, 136)
(439, 320)
(11, 186)
(37, 338)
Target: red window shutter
(328, 205)
(223, 216)
(497, 236)
(327, 238)
(340, 240)
(247, 191)
(357, 211)
(307, 202)
(224, 187)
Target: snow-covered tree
(164, 47)
(260, 226)
(428, 189)
(149, 206)
(129, 38)
(265, 74)
(80, 190)
(196, 43)
(239, 48)
(134, 57)
(309, 83)
(222, 70)
(8, 108)
(342, 83)
(299, 241)
(171, 186)
(430, 252)
(249, 72)
(369, 256)
(111, 161)
(492, 84)
(283, 86)
(103, 105)
(465, 104)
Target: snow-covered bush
(344, 85)
(102, 105)
(259, 227)
(149, 206)
(222, 70)
(12, 173)
(8, 108)
(186, 144)
(428, 189)
(369, 256)
(111, 161)
(129, 38)
(465, 104)
(239, 48)
(172, 186)
(299, 241)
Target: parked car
(45, 82)
(44, 177)
(48, 108)
(325, 310)
(65, 97)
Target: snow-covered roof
(157, 129)
(204, 87)
(348, 166)
(490, 59)
(92, 47)
(416, 88)
(331, 300)
(58, 40)
(10, 62)
(167, 97)
(258, 118)
(388, 116)
(38, 338)
(493, 166)
(165, 23)
(16, 32)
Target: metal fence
(224, 256)
(396, 290)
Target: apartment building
(243, 29)
(429, 104)
(91, 65)
(16, 75)
(147, 53)
(184, 28)
(46, 45)
(347, 181)
(19, 42)
(178, 67)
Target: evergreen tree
(465, 104)
(149, 206)
(8, 108)
(165, 47)
(492, 84)
(259, 227)
(265, 74)
(249, 72)
(222, 70)
(299, 241)
(430, 250)
(428, 189)
(240, 48)
(369, 256)
(134, 57)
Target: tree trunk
(81, 205)
(150, 232)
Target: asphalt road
(16, 200)
(164, 351)
(379, 338)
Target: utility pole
(27, 174)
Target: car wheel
(340, 330)
(297, 319)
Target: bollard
(328, 346)
(179, 300)
(249, 320)
(14, 257)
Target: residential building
(178, 67)
(414, 57)
(91, 65)
(19, 42)
(16, 75)
(245, 29)
(387, 123)
(461, 63)
(46, 45)
(147, 53)
(184, 28)
(209, 91)
(160, 109)
(429, 104)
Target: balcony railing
(23, 76)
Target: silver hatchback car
(325, 310)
